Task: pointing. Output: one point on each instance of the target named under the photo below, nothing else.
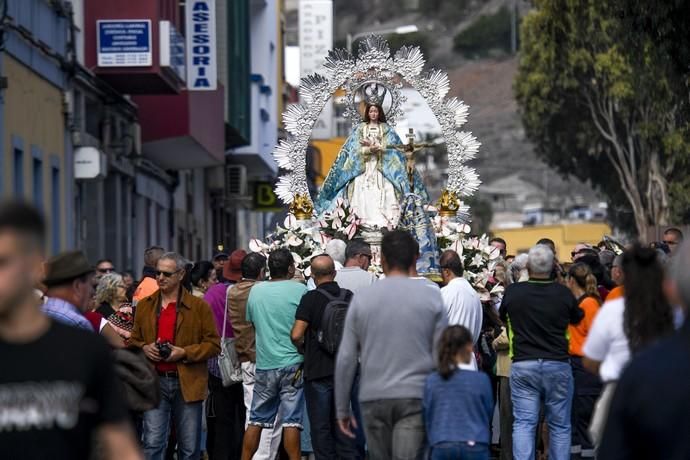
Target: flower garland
(307, 239)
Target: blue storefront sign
(124, 43)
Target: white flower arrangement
(303, 242)
(341, 222)
(479, 258)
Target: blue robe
(350, 163)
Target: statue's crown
(374, 93)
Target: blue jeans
(187, 423)
(326, 438)
(456, 450)
(530, 383)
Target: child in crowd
(458, 403)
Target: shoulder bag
(228, 360)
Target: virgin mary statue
(370, 174)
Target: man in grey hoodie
(393, 327)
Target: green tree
(603, 92)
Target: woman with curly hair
(458, 404)
(111, 298)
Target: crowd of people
(242, 357)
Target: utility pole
(513, 27)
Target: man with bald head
(319, 363)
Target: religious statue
(370, 173)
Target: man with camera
(178, 335)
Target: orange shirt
(616, 293)
(578, 334)
(147, 287)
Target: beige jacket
(245, 338)
(503, 361)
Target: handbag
(601, 413)
(228, 360)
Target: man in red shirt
(178, 335)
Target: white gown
(371, 195)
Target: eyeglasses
(167, 274)
(106, 270)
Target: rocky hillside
(483, 81)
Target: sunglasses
(167, 274)
(670, 242)
(368, 256)
(106, 270)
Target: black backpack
(330, 332)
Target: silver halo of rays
(374, 65)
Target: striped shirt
(66, 313)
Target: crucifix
(409, 150)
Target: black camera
(164, 349)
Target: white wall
(264, 62)
(78, 8)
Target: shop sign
(124, 43)
(201, 45)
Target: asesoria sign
(201, 45)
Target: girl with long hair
(584, 286)
(648, 315)
(626, 325)
(458, 403)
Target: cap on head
(220, 255)
(65, 267)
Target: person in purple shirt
(225, 412)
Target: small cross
(409, 150)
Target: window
(55, 208)
(18, 172)
(38, 183)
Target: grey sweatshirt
(393, 326)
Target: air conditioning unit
(236, 180)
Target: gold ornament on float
(302, 207)
(448, 204)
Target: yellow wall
(329, 150)
(566, 236)
(34, 113)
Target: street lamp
(402, 30)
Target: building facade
(36, 151)
(116, 146)
(251, 169)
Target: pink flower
(351, 230)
